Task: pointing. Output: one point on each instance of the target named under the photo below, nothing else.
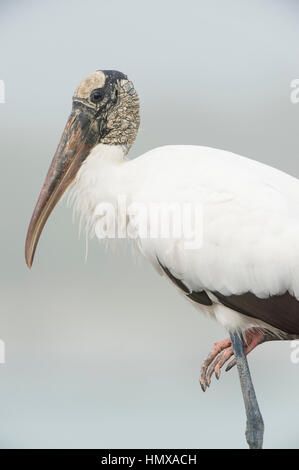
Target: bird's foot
(222, 351)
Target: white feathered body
(250, 218)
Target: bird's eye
(97, 95)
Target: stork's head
(105, 110)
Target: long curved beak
(71, 152)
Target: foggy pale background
(106, 354)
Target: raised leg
(222, 351)
(255, 425)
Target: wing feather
(279, 311)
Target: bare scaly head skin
(116, 103)
(123, 120)
(91, 82)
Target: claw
(203, 386)
(230, 365)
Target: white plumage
(250, 217)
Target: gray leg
(255, 425)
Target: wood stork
(244, 273)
